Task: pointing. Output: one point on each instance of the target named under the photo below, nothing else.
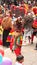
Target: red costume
(34, 10)
(35, 24)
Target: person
(36, 47)
(35, 41)
(15, 2)
(17, 41)
(6, 23)
(19, 60)
(28, 29)
(34, 26)
(18, 37)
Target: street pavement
(29, 53)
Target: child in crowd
(19, 60)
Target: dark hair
(19, 58)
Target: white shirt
(28, 32)
(17, 63)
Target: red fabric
(0, 20)
(22, 30)
(2, 52)
(35, 10)
(32, 37)
(0, 42)
(17, 51)
(25, 12)
(11, 31)
(35, 23)
(8, 38)
(21, 8)
(13, 7)
(12, 43)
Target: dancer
(17, 37)
(6, 24)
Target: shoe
(12, 50)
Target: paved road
(30, 55)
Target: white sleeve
(17, 63)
